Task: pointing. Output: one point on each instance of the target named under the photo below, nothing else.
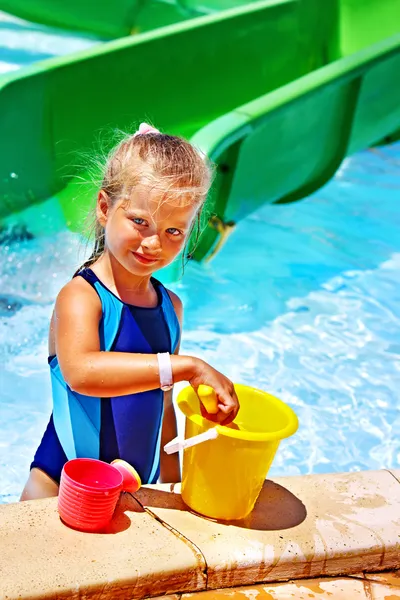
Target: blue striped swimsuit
(127, 427)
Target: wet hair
(167, 163)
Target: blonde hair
(166, 162)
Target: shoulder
(76, 296)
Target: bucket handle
(176, 444)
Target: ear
(102, 208)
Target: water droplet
(13, 176)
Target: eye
(173, 231)
(138, 221)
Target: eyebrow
(138, 212)
(145, 214)
(180, 225)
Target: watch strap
(165, 371)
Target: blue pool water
(303, 301)
(23, 43)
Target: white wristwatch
(165, 370)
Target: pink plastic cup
(89, 491)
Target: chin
(141, 269)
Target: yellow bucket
(222, 478)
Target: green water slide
(113, 18)
(277, 93)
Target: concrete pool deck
(311, 529)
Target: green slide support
(277, 93)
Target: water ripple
(304, 302)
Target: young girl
(115, 331)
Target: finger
(226, 401)
(232, 409)
(236, 399)
(228, 419)
(220, 417)
(225, 409)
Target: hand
(228, 403)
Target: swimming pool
(23, 43)
(303, 301)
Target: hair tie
(145, 128)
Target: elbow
(76, 385)
(77, 381)
(81, 374)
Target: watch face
(166, 388)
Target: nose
(152, 243)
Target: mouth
(145, 260)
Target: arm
(170, 471)
(90, 371)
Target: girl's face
(145, 232)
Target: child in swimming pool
(115, 331)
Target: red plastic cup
(89, 491)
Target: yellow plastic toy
(223, 477)
(208, 398)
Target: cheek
(174, 246)
(130, 230)
(122, 233)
